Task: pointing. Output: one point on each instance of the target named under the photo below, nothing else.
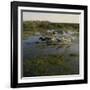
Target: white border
(52, 78)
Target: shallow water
(33, 47)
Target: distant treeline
(30, 27)
(45, 25)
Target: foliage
(31, 27)
(47, 65)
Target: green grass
(47, 65)
(31, 27)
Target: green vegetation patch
(31, 27)
(46, 65)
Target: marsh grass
(31, 27)
(46, 65)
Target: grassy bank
(31, 27)
(48, 65)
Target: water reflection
(34, 47)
